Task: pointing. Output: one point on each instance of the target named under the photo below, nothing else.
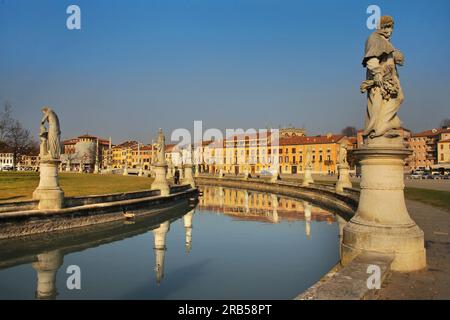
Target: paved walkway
(434, 283)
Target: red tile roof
(311, 140)
(431, 133)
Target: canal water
(234, 244)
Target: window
(293, 159)
(293, 150)
(442, 157)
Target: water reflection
(264, 207)
(46, 266)
(46, 253)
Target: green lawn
(16, 186)
(435, 198)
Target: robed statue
(343, 154)
(50, 146)
(308, 156)
(382, 83)
(161, 147)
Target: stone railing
(345, 204)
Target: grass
(16, 186)
(435, 198)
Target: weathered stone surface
(14, 224)
(349, 282)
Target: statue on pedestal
(384, 93)
(381, 224)
(161, 148)
(49, 192)
(160, 166)
(343, 154)
(50, 138)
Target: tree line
(14, 138)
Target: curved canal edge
(88, 211)
(351, 282)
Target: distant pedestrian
(176, 176)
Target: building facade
(6, 161)
(83, 153)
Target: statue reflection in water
(160, 247)
(47, 266)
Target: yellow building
(324, 153)
(121, 154)
(444, 151)
(255, 154)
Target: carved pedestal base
(188, 178)
(307, 179)
(160, 182)
(344, 178)
(382, 223)
(49, 193)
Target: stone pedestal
(188, 178)
(96, 169)
(160, 182)
(275, 176)
(125, 171)
(382, 223)
(344, 178)
(49, 193)
(307, 179)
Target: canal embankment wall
(22, 218)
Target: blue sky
(139, 65)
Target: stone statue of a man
(53, 148)
(161, 147)
(382, 83)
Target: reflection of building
(160, 249)
(46, 267)
(81, 153)
(247, 205)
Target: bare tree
(349, 131)
(19, 141)
(445, 123)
